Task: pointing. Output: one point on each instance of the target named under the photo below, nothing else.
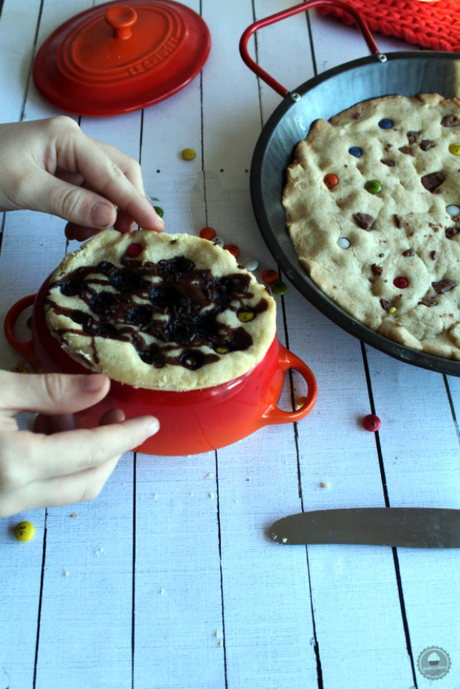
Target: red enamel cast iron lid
(116, 58)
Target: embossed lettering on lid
(116, 58)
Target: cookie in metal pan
(372, 201)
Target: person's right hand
(65, 467)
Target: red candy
(207, 233)
(372, 423)
(269, 276)
(331, 180)
(234, 250)
(401, 282)
(134, 250)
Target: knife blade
(409, 527)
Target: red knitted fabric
(434, 25)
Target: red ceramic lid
(115, 58)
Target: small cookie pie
(159, 311)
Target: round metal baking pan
(405, 73)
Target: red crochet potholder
(434, 25)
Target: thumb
(50, 393)
(76, 204)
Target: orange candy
(234, 250)
(331, 180)
(207, 233)
(269, 276)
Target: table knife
(410, 527)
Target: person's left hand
(51, 166)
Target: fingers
(71, 452)
(50, 393)
(124, 223)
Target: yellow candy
(392, 309)
(245, 315)
(20, 368)
(454, 149)
(188, 154)
(300, 401)
(24, 531)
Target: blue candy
(355, 151)
(386, 123)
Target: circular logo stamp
(434, 663)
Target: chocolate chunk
(428, 301)
(408, 253)
(406, 150)
(433, 255)
(452, 232)
(412, 137)
(443, 286)
(399, 222)
(363, 220)
(376, 270)
(450, 121)
(387, 147)
(385, 304)
(426, 144)
(387, 161)
(434, 180)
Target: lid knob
(121, 18)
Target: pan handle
(272, 19)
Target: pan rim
(294, 272)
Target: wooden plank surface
(168, 580)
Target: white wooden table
(167, 580)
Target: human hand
(66, 467)
(51, 166)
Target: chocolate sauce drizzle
(171, 301)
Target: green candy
(279, 288)
(159, 211)
(373, 186)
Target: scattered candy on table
(20, 368)
(24, 531)
(233, 248)
(372, 423)
(249, 263)
(401, 282)
(331, 180)
(207, 233)
(219, 241)
(269, 276)
(279, 288)
(373, 186)
(188, 154)
(159, 211)
(300, 401)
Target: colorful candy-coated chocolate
(222, 350)
(233, 248)
(269, 276)
(188, 154)
(401, 282)
(343, 242)
(330, 180)
(134, 250)
(386, 123)
(453, 210)
(454, 149)
(249, 263)
(392, 309)
(279, 288)
(207, 233)
(300, 401)
(245, 314)
(159, 211)
(373, 186)
(355, 151)
(371, 422)
(24, 531)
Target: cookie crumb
(74, 515)
(325, 484)
(65, 573)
